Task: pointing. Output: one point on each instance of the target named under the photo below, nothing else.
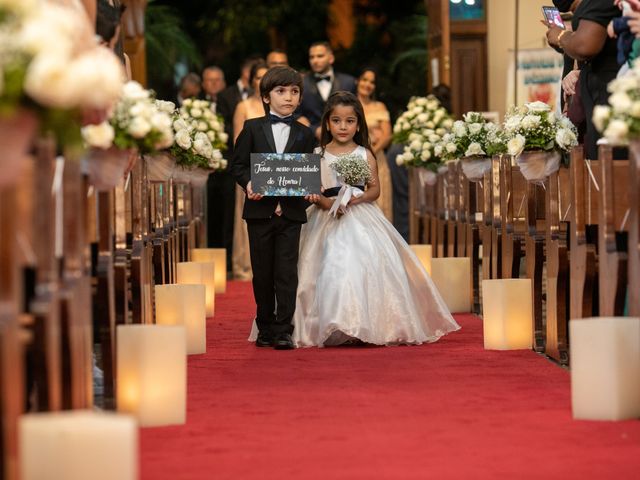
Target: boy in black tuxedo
(273, 223)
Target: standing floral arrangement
(421, 127)
(620, 121)
(137, 122)
(200, 136)
(538, 138)
(471, 138)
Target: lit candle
(200, 273)
(152, 373)
(217, 256)
(184, 305)
(452, 277)
(78, 445)
(423, 252)
(507, 314)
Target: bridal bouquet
(137, 122)
(620, 121)
(200, 136)
(421, 127)
(537, 137)
(353, 170)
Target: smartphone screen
(552, 16)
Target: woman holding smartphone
(590, 45)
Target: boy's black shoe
(283, 342)
(264, 340)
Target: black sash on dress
(333, 192)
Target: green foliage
(167, 42)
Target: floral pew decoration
(138, 125)
(538, 139)
(421, 128)
(619, 121)
(200, 140)
(52, 73)
(473, 141)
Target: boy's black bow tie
(276, 119)
(319, 77)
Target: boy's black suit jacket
(312, 104)
(257, 137)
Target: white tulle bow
(344, 195)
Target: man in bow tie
(321, 82)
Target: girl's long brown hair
(346, 99)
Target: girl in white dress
(358, 280)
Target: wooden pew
(534, 239)
(585, 181)
(486, 226)
(471, 207)
(557, 205)
(452, 189)
(634, 229)
(440, 248)
(512, 206)
(613, 214)
(496, 218)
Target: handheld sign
(285, 174)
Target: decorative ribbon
(344, 195)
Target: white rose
(422, 118)
(538, 107)
(635, 109)
(434, 138)
(202, 126)
(413, 136)
(440, 131)
(512, 123)
(425, 155)
(475, 128)
(397, 128)
(214, 164)
(48, 83)
(426, 146)
(437, 150)
(566, 139)
(166, 139)
(99, 136)
(601, 114)
(415, 145)
(100, 78)
(450, 147)
(223, 163)
(183, 139)
(515, 146)
(196, 112)
(433, 104)
(430, 124)
(165, 106)
(421, 101)
(139, 127)
(616, 131)
(180, 124)
(551, 117)
(474, 149)
(134, 91)
(529, 122)
(447, 122)
(459, 129)
(223, 137)
(187, 102)
(211, 135)
(160, 121)
(620, 102)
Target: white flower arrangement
(535, 127)
(200, 136)
(470, 138)
(421, 127)
(619, 121)
(352, 169)
(138, 121)
(49, 56)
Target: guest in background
(379, 125)
(589, 44)
(108, 20)
(212, 84)
(189, 87)
(221, 186)
(321, 83)
(250, 108)
(277, 57)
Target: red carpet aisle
(446, 410)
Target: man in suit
(273, 223)
(320, 83)
(212, 84)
